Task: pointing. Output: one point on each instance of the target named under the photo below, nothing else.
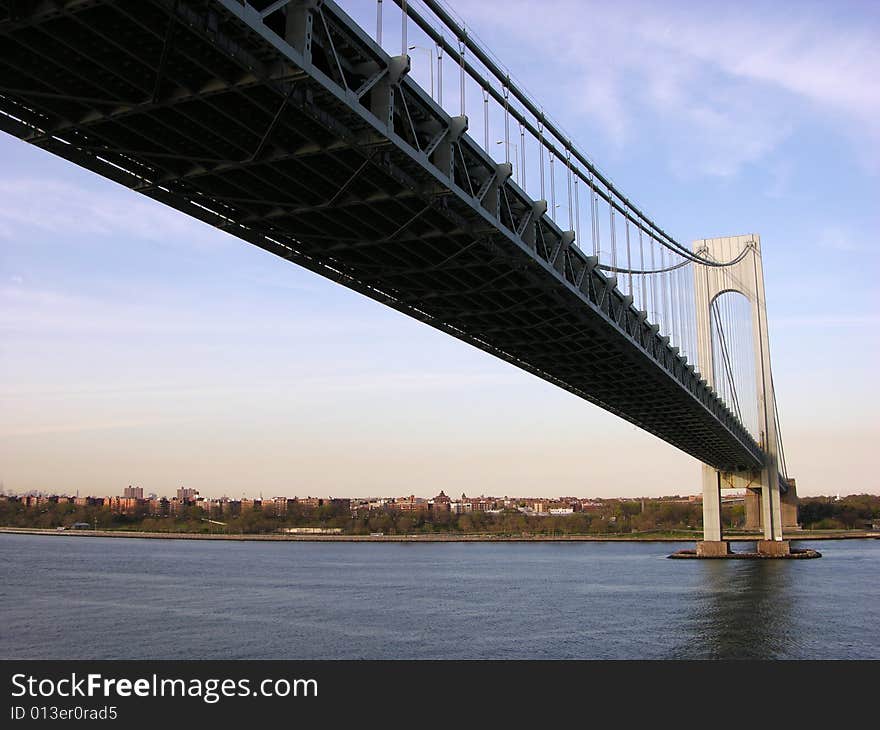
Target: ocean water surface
(107, 598)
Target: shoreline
(644, 537)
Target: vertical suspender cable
(708, 368)
(739, 353)
(439, 74)
(762, 385)
(723, 324)
(731, 398)
(718, 373)
(541, 155)
(522, 152)
(552, 186)
(593, 218)
(403, 19)
(778, 428)
(667, 307)
(612, 232)
(379, 22)
(664, 280)
(667, 293)
(682, 304)
(642, 303)
(716, 384)
(568, 180)
(685, 293)
(506, 124)
(673, 323)
(724, 316)
(679, 296)
(678, 303)
(744, 368)
(731, 334)
(730, 338)
(749, 362)
(688, 297)
(653, 286)
(695, 272)
(748, 350)
(688, 304)
(693, 305)
(486, 118)
(673, 319)
(628, 255)
(719, 303)
(735, 350)
(689, 294)
(461, 65)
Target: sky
(138, 346)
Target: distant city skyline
(189, 493)
(136, 343)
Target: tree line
(612, 517)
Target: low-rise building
(410, 504)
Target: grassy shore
(677, 536)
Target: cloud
(840, 239)
(10, 430)
(831, 64)
(33, 311)
(29, 205)
(726, 85)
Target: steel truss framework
(284, 124)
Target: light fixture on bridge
(415, 47)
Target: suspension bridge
(439, 188)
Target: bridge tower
(746, 277)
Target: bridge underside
(193, 106)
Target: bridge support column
(745, 277)
(771, 506)
(788, 504)
(790, 507)
(712, 546)
(753, 509)
(711, 504)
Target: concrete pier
(774, 548)
(765, 550)
(713, 549)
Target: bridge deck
(299, 134)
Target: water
(104, 598)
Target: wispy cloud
(727, 84)
(63, 209)
(32, 310)
(832, 65)
(842, 239)
(11, 430)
